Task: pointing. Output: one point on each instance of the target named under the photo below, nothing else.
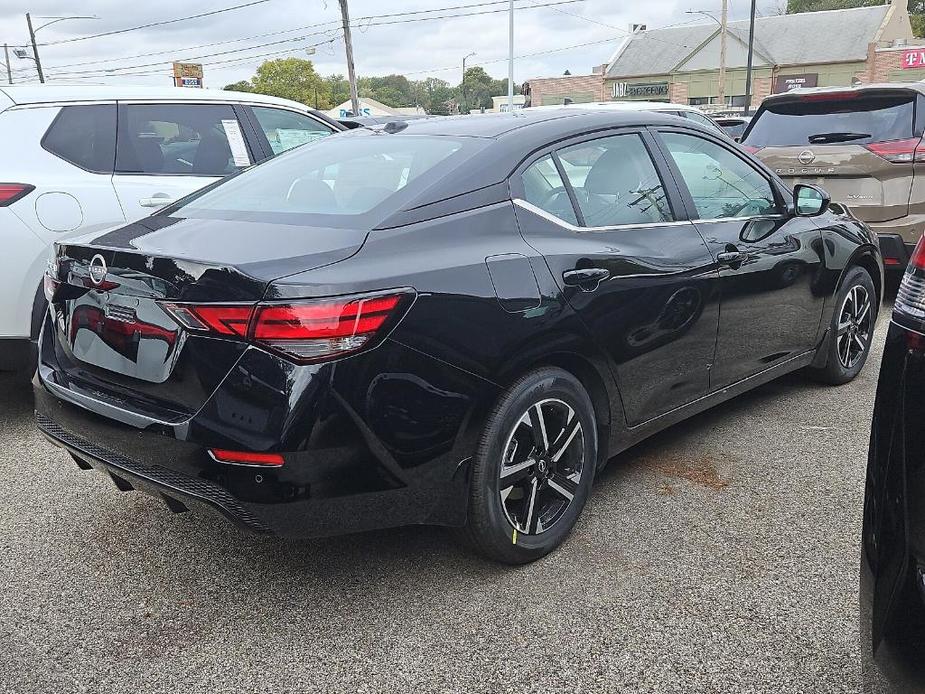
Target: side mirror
(809, 201)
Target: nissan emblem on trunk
(806, 157)
(98, 269)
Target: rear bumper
(899, 236)
(374, 441)
(895, 250)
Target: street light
(722, 46)
(462, 86)
(33, 31)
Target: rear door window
(85, 136)
(287, 129)
(615, 182)
(180, 139)
(849, 118)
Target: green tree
(392, 90)
(242, 86)
(339, 89)
(476, 88)
(437, 96)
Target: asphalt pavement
(720, 556)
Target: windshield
(857, 119)
(337, 181)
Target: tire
(848, 330)
(503, 528)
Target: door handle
(731, 257)
(587, 279)
(156, 201)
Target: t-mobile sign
(913, 58)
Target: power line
(113, 71)
(156, 24)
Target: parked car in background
(457, 322)
(351, 122)
(863, 144)
(892, 599)
(680, 110)
(78, 159)
(733, 125)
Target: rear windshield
(859, 120)
(338, 181)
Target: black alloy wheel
(852, 328)
(534, 468)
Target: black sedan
(892, 605)
(453, 321)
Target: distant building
(681, 63)
(499, 103)
(371, 107)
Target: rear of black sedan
(892, 596)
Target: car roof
(797, 94)
(57, 93)
(563, 121)
(515, 137)
(624, 106)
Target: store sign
(639, 90)
(187, 75)
(913, 59)
(786, 83)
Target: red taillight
(898, 151)
(246, 458)
(910, 298)
(305, 331)
(313, 331)
(223, 319)
(11, 192)
(830, 96)
(750, 148)
(917, 260)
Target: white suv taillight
(11, 192)
(306, 331)
(910, 299)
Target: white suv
(80, 159)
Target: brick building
(681, 63)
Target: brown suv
(862, 144)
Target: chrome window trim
(757, 217)
(539, 211)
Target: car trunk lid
(113, 322)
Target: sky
(570, 35)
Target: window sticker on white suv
(287, 139)
(236, 142)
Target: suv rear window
(857, 119)
(84, 136)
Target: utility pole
(510, 60)
(35, 50)
(351, 75)
(722, 54)
(6, 58)
(748, 69)
(463, 107)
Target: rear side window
(184, 139)
(287, 129)
(543, 187)
(84, 136)
(615, 182)
(857, 119)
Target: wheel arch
(592, 380)
(866, 257)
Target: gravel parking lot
(720, 556)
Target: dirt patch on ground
(700, 470)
